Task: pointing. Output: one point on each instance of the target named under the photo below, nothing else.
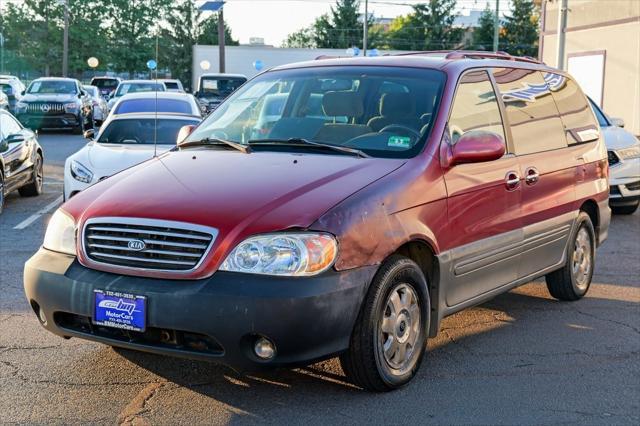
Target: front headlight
(61, 233)
(288, 254)
(21, 105)
(629, 153)
(72, 106)
(80, 172)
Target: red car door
(483, 200)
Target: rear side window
(475, 107)
(534, 119)
(573, 107)
(151, 105)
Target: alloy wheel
(582, 261)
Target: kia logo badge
(136, 245)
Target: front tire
(625, 209)
(574, 279)
(389, 339)
(34, 187)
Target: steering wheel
(401, 128)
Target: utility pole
(221, 40)
(1, 53)
(496, 26)
(365, 28)
(562, 27)
(65, 40)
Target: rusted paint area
(408, 204)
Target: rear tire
(1, 193)
(625, 209)
(389, 339)
(574, 279)
(34, 187)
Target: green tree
(208, 32)
(87, 35)
(303, 38)
(521, 29)
(428, 27)
(341, 28)
(483, 34)
(132, 31)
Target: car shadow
(507, 336)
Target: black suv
(54, 102)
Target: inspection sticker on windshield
(119, 310)
(399, 142)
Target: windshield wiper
(303, 142)
(217, 141)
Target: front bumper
(624, 183)
(49, 121)
(307, 318)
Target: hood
(239, 194)
(50, 97)
(618, 138)
(110, 159)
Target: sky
(273, 20)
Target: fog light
(264, 349)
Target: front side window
(533, 117)
(144, 131)
(53, 86)
(377, 110)
(475, 107)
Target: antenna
(155, 124)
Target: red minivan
(336, 207)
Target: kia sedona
(123, 141)
(624, 163)
(21, 159)
(423, 185)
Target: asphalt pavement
(523, 358)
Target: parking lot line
(28, 221)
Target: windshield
(105, 83)
(6, 88)
(91, 90)
(150, 105)
(142, 131)
(602, 120)
(383, 111)
(125, 88)
(220, 87)
(53, 86)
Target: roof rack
(473, 54)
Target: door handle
(531, 176)
(512, 180)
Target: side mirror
(89, 134)
(477, 146)
(23, 92)
(4, 146)
(184, 132)
(15, 138)
(617, 121)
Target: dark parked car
(12, 87)
(424, 185)
(105, 85)
(214, 88)
(21, 159)
(54, 102)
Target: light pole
(496, 26)
(217, 6)
(562, 27)
(365, 28)
(65, 39)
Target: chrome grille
(146, 243)
(613, 158)
(45, 108)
